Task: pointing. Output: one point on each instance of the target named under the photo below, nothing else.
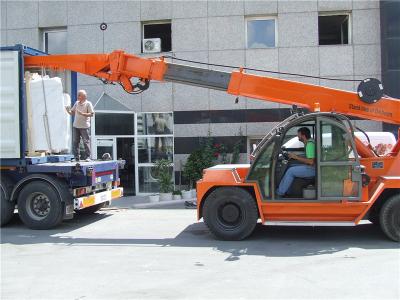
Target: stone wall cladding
(210, 32)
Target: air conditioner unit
(151, 45)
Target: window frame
(52, 30)
(157, 22)
(350, 27)
(270, 144)
(109, 112)
(261, 18)
(355, 163)
(135, 136)
(249, 147)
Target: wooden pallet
(40, 153)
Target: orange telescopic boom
(121, 67)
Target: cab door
(338, 165)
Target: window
(252, 143)
(337, 160)
(147, 179)
(261, 170)
(155, 123)
(291, 141)
(104, 146)
(261, 32)
(154, 142)
(335, 144)
(55, 41)
(334, 29)
(159, 30)
(140, 139)
(151, 149)
(114, 124)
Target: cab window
(335, 143)
(337, 159)
(261, 171)
(291, 142)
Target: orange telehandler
(352, 181)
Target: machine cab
(337, 166)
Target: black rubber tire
(235, 204)
(390, 218)
(6, 206)
(91, 209)
(27, 214)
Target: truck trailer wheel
(390, 218)
(230, 213)
(91, 209)
(40, 206)
(7, 207)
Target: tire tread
(56, 213)
(391, 205)
(7, 207)
(252, 212)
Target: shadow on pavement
(268, 241)
(16, 227)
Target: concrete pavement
(151, 254)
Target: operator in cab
(306, 169)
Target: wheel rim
(230, 215)
(38, 206)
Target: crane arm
(121, 67)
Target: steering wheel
(285, 156)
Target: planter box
(176, 197)
(165, 196)
(187, 194)
(154, 198)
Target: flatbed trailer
(45, 189)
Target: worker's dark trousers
(77, 134)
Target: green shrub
(162, 172)
(236, 152)
(199, 160)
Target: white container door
(9, 105)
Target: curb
(161, 203)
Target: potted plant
(176, 195)
(162, 172)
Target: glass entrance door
(103, 146)
(126, 151)
(120, 148)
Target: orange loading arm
(121, 67)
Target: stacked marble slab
(49, 125)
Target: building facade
(340, 39)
